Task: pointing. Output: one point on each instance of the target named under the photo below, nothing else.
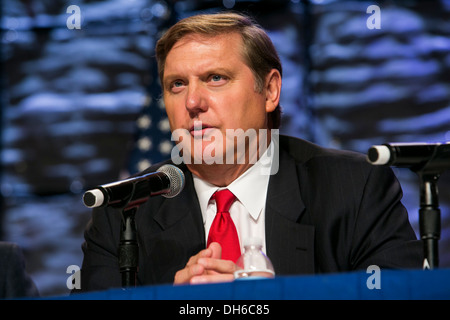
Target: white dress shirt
(248, 211)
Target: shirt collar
(250, 188)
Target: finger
(205, 253)
(212, 278)
(216, 250)
(185, 275)
(217, 265)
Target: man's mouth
(199, 129)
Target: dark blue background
(82, 108)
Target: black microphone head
(176, 178)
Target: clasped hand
(206, 267)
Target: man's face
(207, 83)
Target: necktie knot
(224, 200)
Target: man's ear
(273, 90)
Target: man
(14, 280)
(317, 210)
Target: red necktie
(223, 229)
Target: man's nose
(196, 101)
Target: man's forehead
(203, 53)
(232, 38)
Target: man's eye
(176, 86)
(216, 77)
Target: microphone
(404, 154)
(167, 181)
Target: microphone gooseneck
(167, 181)
(428, 160)
(405, 154)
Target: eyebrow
(219, 70)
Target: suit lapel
(183, 206)
(290, 245)
(173, 210)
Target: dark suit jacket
(14, 281)
(326, 211)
